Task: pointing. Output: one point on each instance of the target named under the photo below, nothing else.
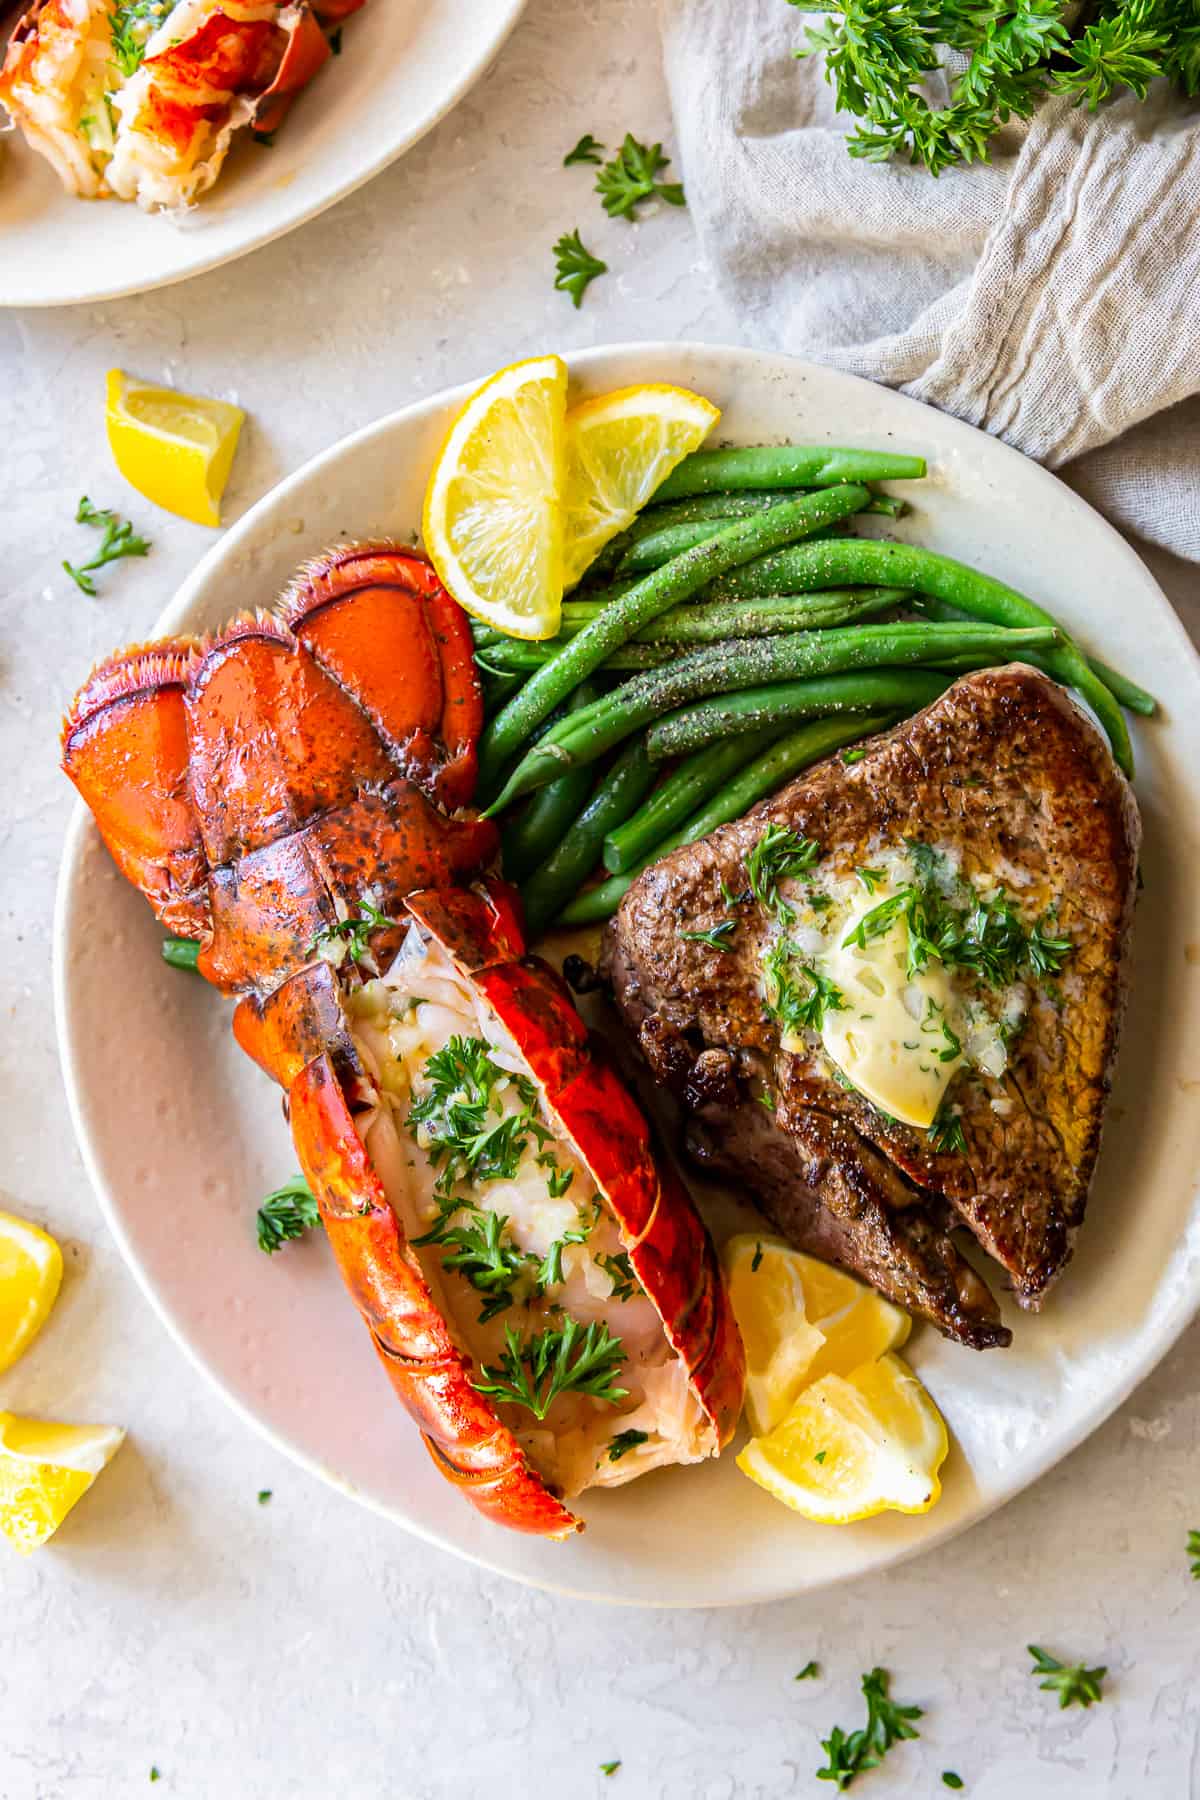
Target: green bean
(674, 800)
(787, 466)
(712, 623)
(750, 662)
(767, 773)
(669, 585)
(528, 840)
(650, 549)
(874, 560)
(181, 953)
(618, 793)
(1125, 692)
(519, 655)
(727, 715)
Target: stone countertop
(305, 1648)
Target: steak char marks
(1009, 777)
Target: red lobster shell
(258, 787)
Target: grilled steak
(1008, 778)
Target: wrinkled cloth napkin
(1051, 296)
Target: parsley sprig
(287, 1213)
(1074, 1684)
(887, 1723)
(632, 176)
(1193, 1550)
(575, 267)
(798, 1008)
(717, 937)
(557, 1360)
(779, 855)
(1000, 62)
(119, 539)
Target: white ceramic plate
(404, 64)
(182, 1145)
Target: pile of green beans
(752, 634)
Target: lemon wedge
(176, 449)
(853, 1446)
(766, 1291)
(31, 1269)
(800, 1319)
(492, 522)
(44, 1469)
(620, 448)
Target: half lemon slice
(31, 1267)
(851, 1447)
(176, 449)
(492, 519)
(620, 448)
(44, 1469)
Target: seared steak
(1009, 779)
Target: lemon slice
(31, 1269)
(620, 448)
(857, 1324)
(800, 1319)
(851, 1447)
(766, 1291)
(44, 1469)
(177, 449)
(492, 520)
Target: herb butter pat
(893, 1039)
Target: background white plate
(404, 64)
(181, 1135)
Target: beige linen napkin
(1051, 296)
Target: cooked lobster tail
(542, 1294)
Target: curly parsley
(287, 1213)
(558, 1360)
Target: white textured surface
(306, 1648)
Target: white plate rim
(1169, 1328)
(474, 67)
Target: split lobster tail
(544, 1298)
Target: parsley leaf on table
(1193, 1550)
(631, 176)
(575, 266)
(887, 1723)
(119, 540)
(587, 150)
(1074, 1684)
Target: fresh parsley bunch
(879, 52)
